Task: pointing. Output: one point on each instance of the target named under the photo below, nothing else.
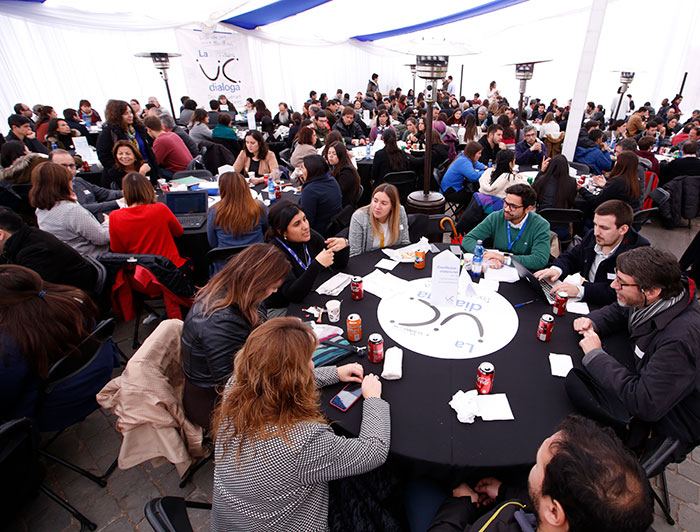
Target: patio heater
(430, 68)
(413, 75)
(161, 60)
(523, 73)
(625, 81)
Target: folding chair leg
(665, 505)
(135, 344)
(84, 521)
(193, 469)
(100, 481)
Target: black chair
(222, 255)
(428, 225)
(169, 514)
(654, 462)
(284, 157)
(67, 396)
(563, 216)
(405, 181)
(438, 174)
(642, 217)
(23, 473)
(581, 168)
(339, 222)
(204, 174)
(358, 196)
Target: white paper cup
(333, 308)
(251, 175)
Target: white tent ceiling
(62, 50)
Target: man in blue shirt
(530, 151)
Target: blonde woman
(381, 224)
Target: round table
(424, 428)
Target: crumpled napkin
(466, 406)
(335, 285)
(393, 362)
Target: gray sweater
(73, 224)
(361, 237)
(282, 485)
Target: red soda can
(375, 348)
(165, 187)
(356, 290)
(484, 377)
(278, 190)
(86, 166)
(354, 323)
(544, 329)
(419, 263)
(559, 308)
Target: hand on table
(325, 258)
(351, 372)
(590, 341)
(371, 387)
(336, 244)
(570, 289)
(145, 168)
(257, 180)
(550, 274)
(465, 491)
(494, 259)
(583, 324)
(487, 488)
(599, 181)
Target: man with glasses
(517, 232)
(99, 201)
(657, 394)
(530, 151)
(321, 128)
(24, 110)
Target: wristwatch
(507, 259)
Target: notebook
(189, 207)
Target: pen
(525, 303)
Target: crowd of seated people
(249, 379)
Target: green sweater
(532, 248)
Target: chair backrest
(169, 514)
(641, 217)
(358, 196)
(19, 467)
(339, 222)
(562, 215)
(204, 174)
(405, 181)
(651, 181)
(68, 393)
(223, 254)
(581, 168)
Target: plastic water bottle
(271, 189)
(54, 146)
(656, 144)
(490, 163)
(478, 259)
(367, 152)
(612, 142)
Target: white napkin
(493, 407)
(464, 403)
(386, 264)
(383, 284)
(322, 330)
(397, 254)
(334, 285)
(505, 274)
(577, 307)
(489, 284)
(393, 362)
(561, 364)
(225, 168)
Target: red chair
(651, 181)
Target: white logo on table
(473, 326)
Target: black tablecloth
(424, 427)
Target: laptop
(542, 287)
(189, 207)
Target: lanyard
(296, 257)
(381, 239)
(511, 243)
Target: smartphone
(347, 397)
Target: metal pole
(685, 76)
(523, 83)
(461, 78)
(428, 140)
(619, 100)
(164, 75)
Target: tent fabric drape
(272, 13)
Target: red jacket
(143, 281)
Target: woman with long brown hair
(224, 313)
(62, 315)
(275, 451)
(198, 126)
(344, 172)
(622, 183)
(380, 224)
(389, 159)
(59, 213)
(256, 156)
(127, 158)
(238, 219)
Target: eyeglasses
(68, 165)
(510, 206)
(619, 281)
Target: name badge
(638, 352)
(611, 277)
(86, 192)
(401, 226)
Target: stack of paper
(383, 284)
(334, 285)
(505, 274)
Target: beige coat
(242, 163)
(147, 400)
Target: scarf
(131, 136)
(640, 316)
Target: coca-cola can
(484, 377)
(278, 190)
(544, 329)
(375, 348)
(354, 323)
(559, 307)
(356, 290)
(419, 263)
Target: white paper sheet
(445, 279)
(506, 274)
(386, 264)
(335, 285)
(560, 364)
(577, 307)
(489, 284)
(374, 283)
(494, 407)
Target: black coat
(580, 258)
(353, 131)
(349, 183)
(381, 166)
(487, 152)
(616, 188)
(32, 145)
(55, 261)
(95, 199)
(109, 137)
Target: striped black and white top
(283, 486)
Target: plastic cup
(333, 308)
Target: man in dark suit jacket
(689, 164)
(21, 130)
(53, 260)
(595, 256)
